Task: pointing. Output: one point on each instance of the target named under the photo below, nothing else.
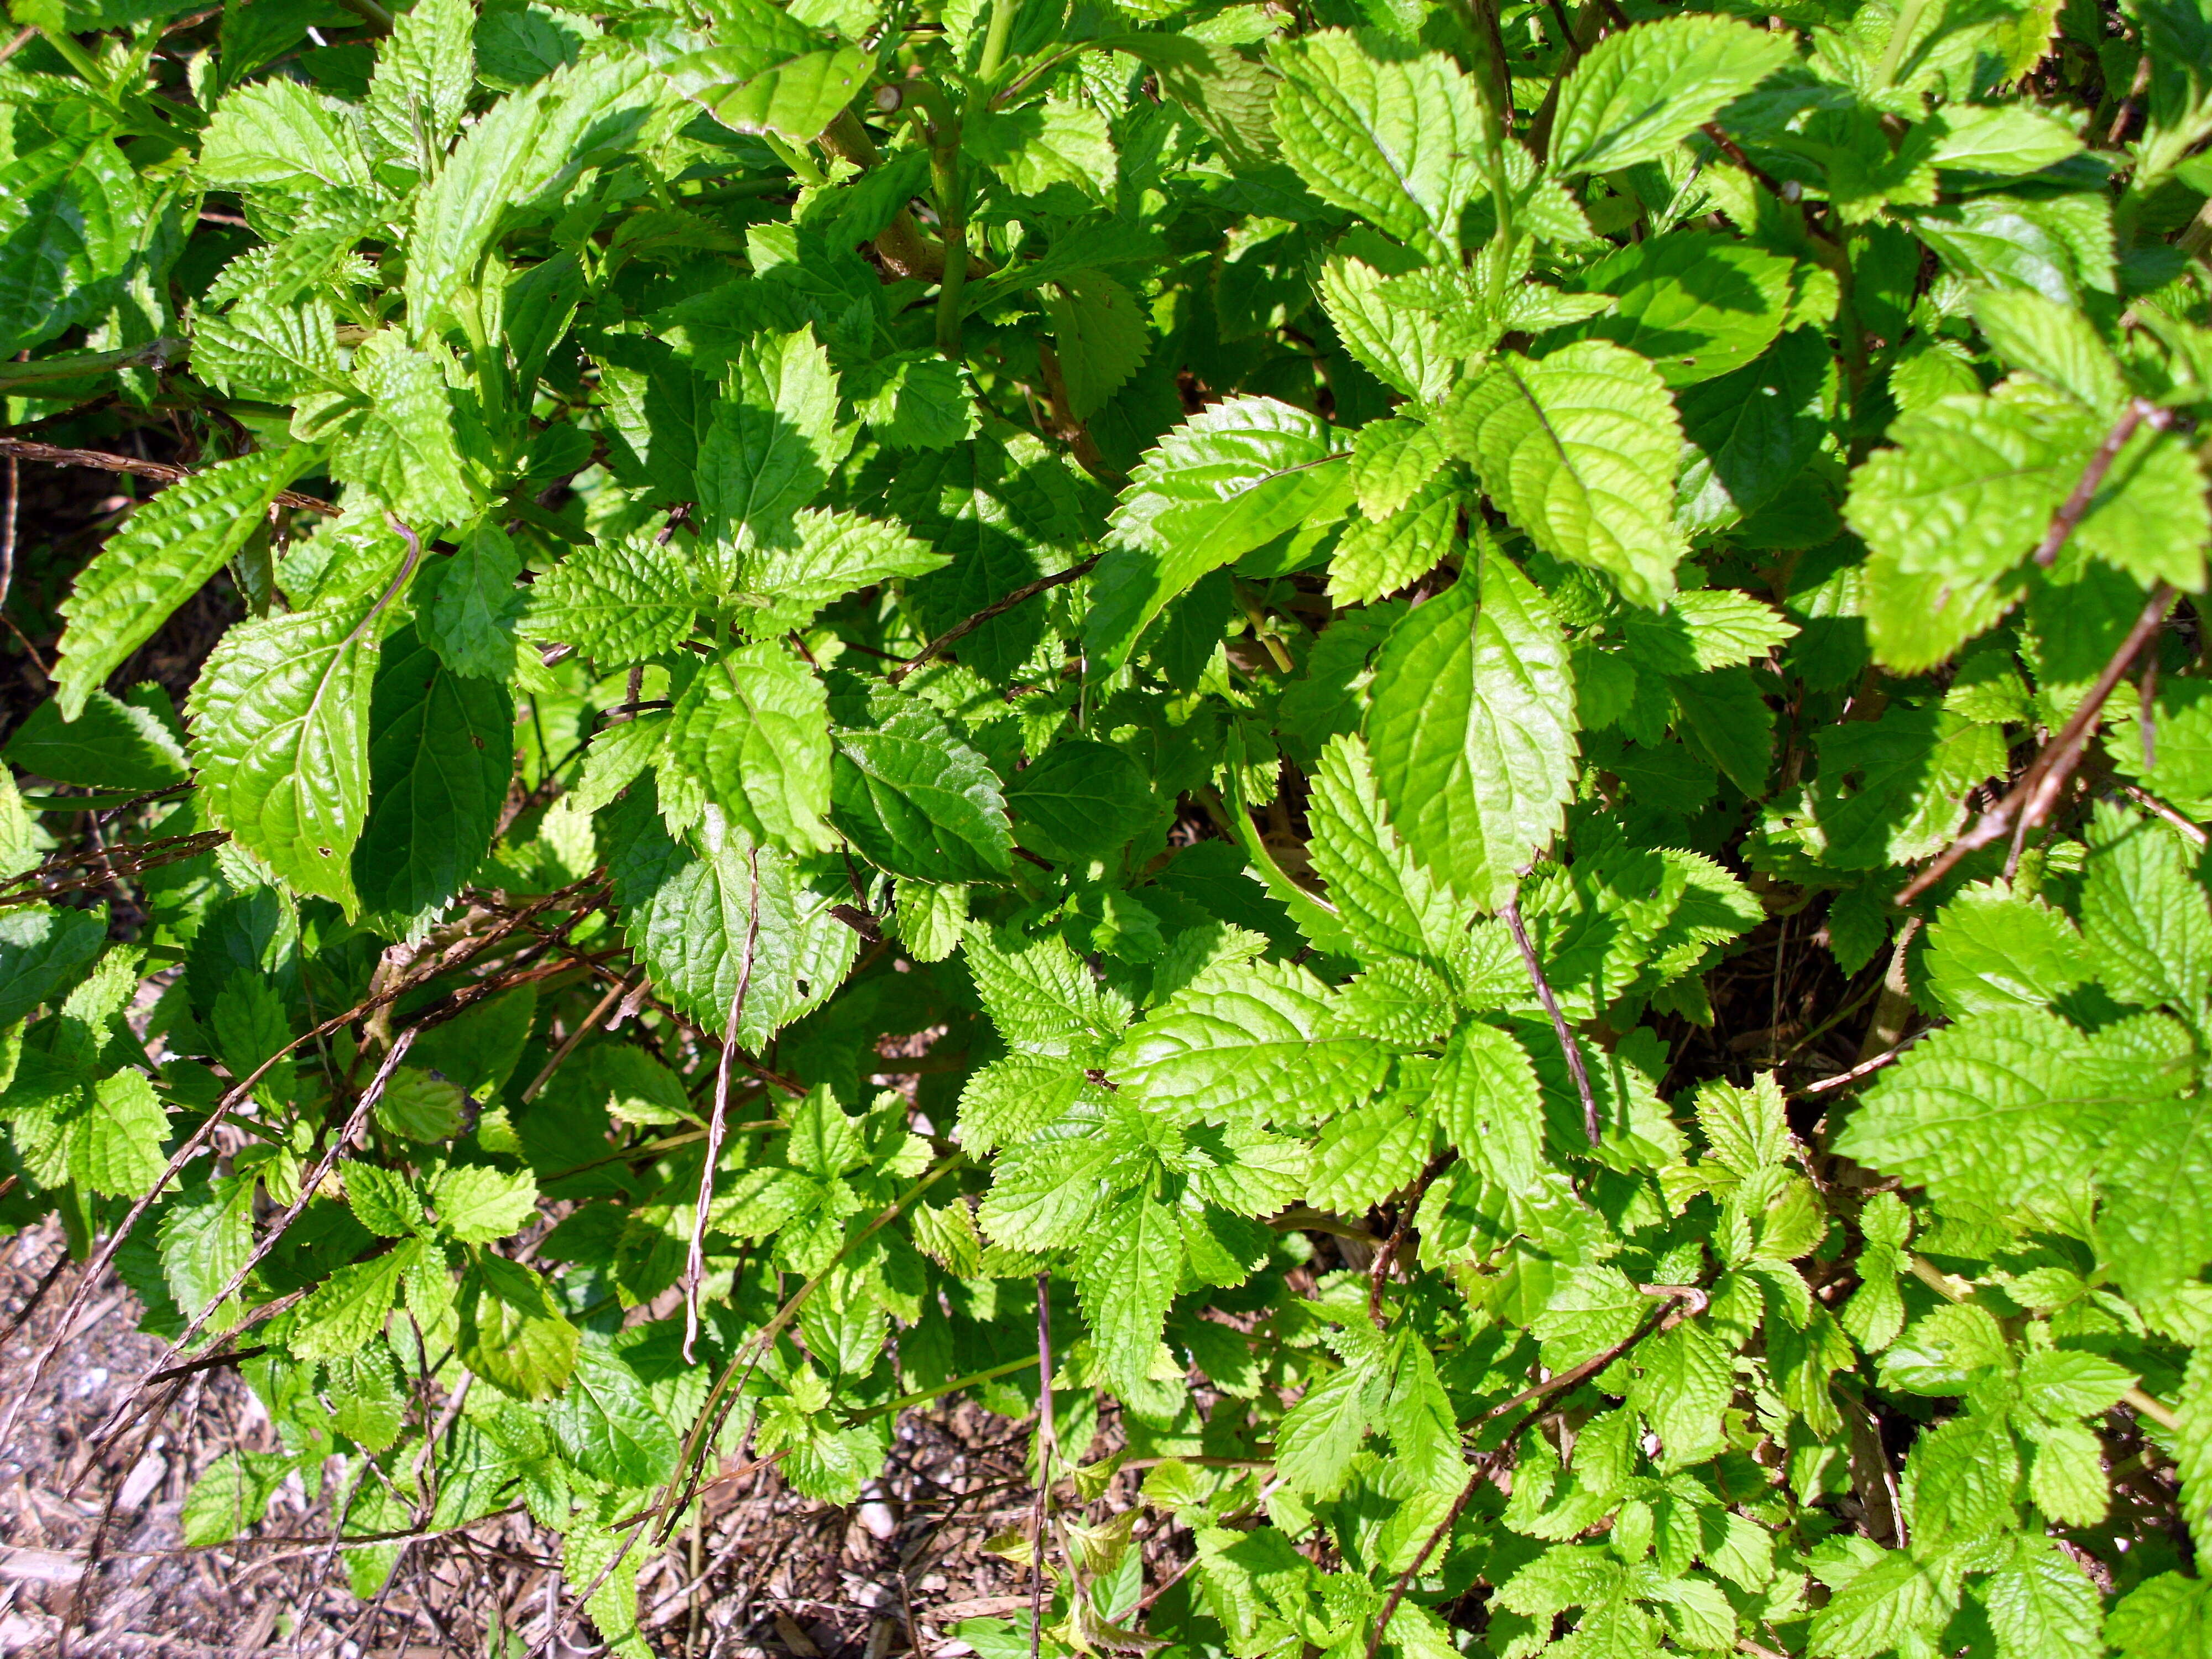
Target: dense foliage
(1312, 609)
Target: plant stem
(80, 60)
(994, 41)
(953, 223)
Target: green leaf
(278, 130)
(513, 1334)
(404, 449)
(1101, 336)
(1386, 901)
(476, 1204)
(514, 164)
(923, 403)
(1990, 949)
(767, 86)
(1400, 144)
(384, 1200)
(1042, 997)
(615, 601)
(70, 215)
(1237, 474)
(112, 745)
(1079, 800)
(206, 1235)
(1378, 556)
(118, 1145)
(689, 917)
(1391, 460)
(1960, 1477)
(441, 751)
(1721, 716)
(1488, 1104)
(1753, 431)
(477, 1049)
(1323, 1432)
(232, 1495)
(2056, 343)
(593, 1555)
(2142, 919)
(1969, 487)
(2008, 138)
(605, 1423)
(1641, 91)
(420, 1107)
(1688, 1379)
(1894, 789)
(1249, 1042)
(1989, 1113)
(280, 734)
(919, 803)
(2161, 1617)
(771, 445)
(1045, 1191)
(834, 554)
(1472, 731)
(424, 74)
(1579, 449)
(166, 553)
(44, 954)
(466, 606)
(1395, 343)
(1058, 141)
(346, 1311)
(2155, 1227)
(753, 731)
(2066, 1473)
(366, 1405)
(1698, 305)
(1126, 1275)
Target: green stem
(927, 1394)
(796, 157)
(994, 42)
(1954, 1289)
(80, 60)
(1908, 25)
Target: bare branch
(1512, 911)
(2139, 412)
(2038, 790)
(26, 450)
(960, 630)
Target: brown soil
(769, 1572)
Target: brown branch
(1380, 1270)
(2027, 803)
(208, 1362)
(2126, 111)
(173, 849)
(1735, 152)
(161, 470)
(1512, 911)
(960, 630)
(1482, 1470)
(568, 1043)
(456, 956)
(2140, 412)
(310, 1187)
(1075, 433)
(1681, 1302)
